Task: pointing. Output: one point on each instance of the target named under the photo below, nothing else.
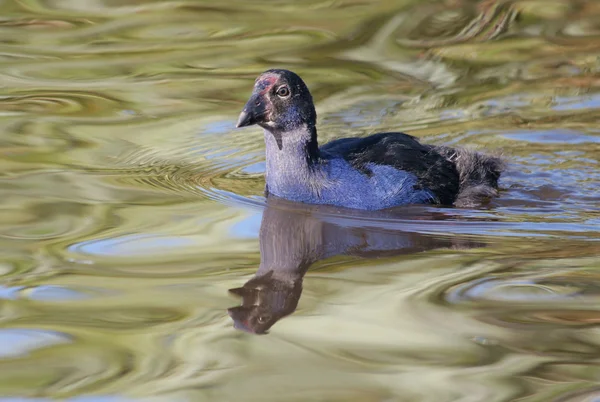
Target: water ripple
(56, 103)
(130, 203)
(65, 370)
(443, 27)
(554, 298)
(123, 318)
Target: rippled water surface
(139, 259)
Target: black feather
(456, 176)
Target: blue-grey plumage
(375, 172)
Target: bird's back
(455, 176)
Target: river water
(133, 222)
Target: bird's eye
(263, 318)
(283, 92)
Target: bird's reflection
(294, 236)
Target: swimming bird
(379, 171)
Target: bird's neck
(292, 160)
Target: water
(131, 206)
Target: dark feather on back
(456, 176)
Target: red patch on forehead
(265, 82)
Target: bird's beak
(253, 113)
(246, 118)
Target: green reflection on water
(130, 205)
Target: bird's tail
(478, 175)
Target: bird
(379, 171)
